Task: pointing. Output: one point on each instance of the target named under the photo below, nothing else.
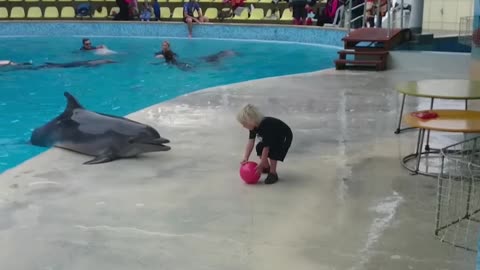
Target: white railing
(391, 18)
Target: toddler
(276, 138)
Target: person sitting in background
(123, 14)
(132, 8)
(327, 15)
(146, 12)
(156, 9)
(188, 17)
(299, 12)
(310, 15)
(236, 7)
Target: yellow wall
(446, 14)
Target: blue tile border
(311, 34)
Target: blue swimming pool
(31, 97)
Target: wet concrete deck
(343, 200)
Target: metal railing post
(378, 14)
(349, 15)
(364, 14)
(389, 12)
(401, 16)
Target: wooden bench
(342, 63)
(379, 53)
(459, 121)
(378, 58)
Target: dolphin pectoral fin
(103, 158)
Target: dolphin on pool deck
(106, 137)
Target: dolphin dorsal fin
(72, 103)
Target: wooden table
(438, 89)
(462, 121)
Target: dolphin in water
(220, 55)
(89, 63)
(103, 136)
(7, 65)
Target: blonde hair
(249, 113)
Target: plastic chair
(286, 15)
(243, 15)
(3, 13)
(211, 13)
(17, 13)
(165, 13)
(34, 13)
(257, 14)
(177, 13)
(102, 14)
(50, 13)
(67, 12)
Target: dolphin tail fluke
(103, 158)
(72, 103)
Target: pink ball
(248, 173)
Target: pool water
(29, 98)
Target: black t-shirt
(168, 55)
(272, 131)
(83, 48)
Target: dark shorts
(298, 9)
(185, 20)
(276, 152)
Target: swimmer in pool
(89, 63)
(87, 45)
(171, 57)
(166, 52)
(214, 58)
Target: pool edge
(219, 88)
(266, 32)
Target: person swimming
(213, 58)
(166, 50)
(171, 57)
(88, 63)
(87, 45)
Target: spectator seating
(170, 11)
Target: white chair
(338, 17)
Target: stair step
(342, 63)
(363, 52)
(359, 62)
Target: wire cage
(465, 31)
(458, 195)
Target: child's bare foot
(271, 178)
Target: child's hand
(262, 165)
(244, 161)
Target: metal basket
(458, 195)
(465, 30)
